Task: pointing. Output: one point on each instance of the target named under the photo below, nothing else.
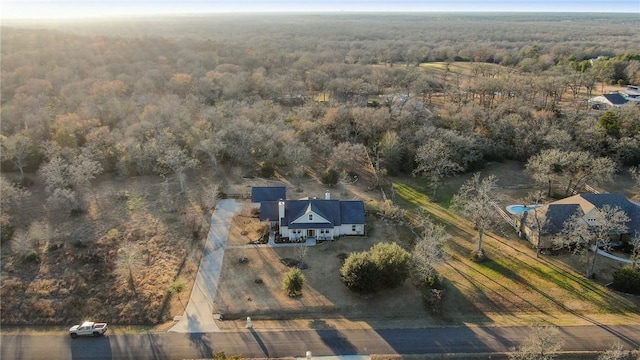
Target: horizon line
(310, 12)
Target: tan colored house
(552, 217)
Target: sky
(29, 9)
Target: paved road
(261, 344)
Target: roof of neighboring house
(560, 211)
(268, 193)
(553, 216)
(336, 212)
(615, 99)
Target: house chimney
(327, 195)
(280, 211)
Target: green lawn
(513, 283)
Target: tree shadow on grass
(458, 309)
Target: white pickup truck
(88, 328)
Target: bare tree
(582, 168)
(392, 213)
(128, 263)
(210, 196)
(475, 200)
(428, 250)
(23, 245)
(538, 222)
(589, 234)
(33, 242)
(615, 352)
(349, 156)
(542, 343)
(16, 149)
(40, 233)
(10, 194)
(635, 253)
(635, 174)
(573, 168)
(435, 162)
(298, 156)
(213, 147)
(81, 171)
(54, 174)
(70, 180)
(64, 202)
(177, 161)
(300, 251)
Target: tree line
(206, 93)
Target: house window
(353, 228)
(310, 217)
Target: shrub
(432, 293)
(177, 287)
(431, 282)
(6, 231)
(267, 170)
(330, 176)
(384, 266)
(30, 257)
(393, 263)
(432, 300)
(478, 256)
(360, 274)
(627, 279)
(293, 282)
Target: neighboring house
(632, 94)
(322, 219)
(607, 101)
(554, 215)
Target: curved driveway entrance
(198, 316)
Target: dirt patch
(246, 228)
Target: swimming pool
(517, 209)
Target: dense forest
(239, 89)
(308, 92)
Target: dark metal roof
(352, 212)
(269, 211)
(615, 99)
(268, 193)
(328, 209)
(336, 212)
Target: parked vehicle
(88, 328)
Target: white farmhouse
(321, 219)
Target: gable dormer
(310, 215)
